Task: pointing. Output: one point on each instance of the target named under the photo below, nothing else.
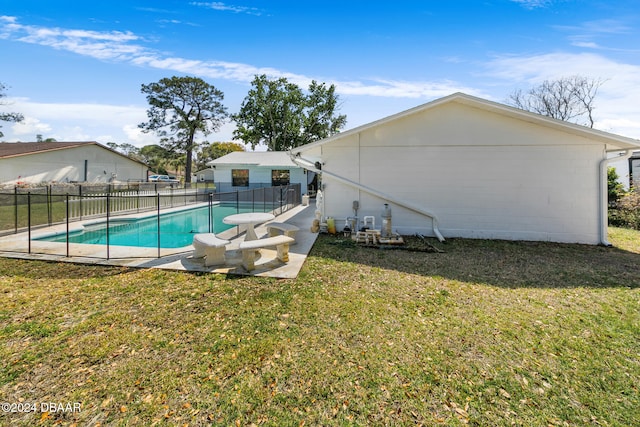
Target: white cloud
(96, 113)
(533, 4)
(135, 136)
(76, 122)
(585, 44)
(30, 126)
(217, 5)
(72, 133)
(536, 68)
(602, 26)
(403, 89)
(88, 122)
(585, 34)
(114, 45)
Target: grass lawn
(486, 333)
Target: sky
(74, 69)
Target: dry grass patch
(486, 333)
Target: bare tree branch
(567, 98)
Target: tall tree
(180, 108)
(156, 157)
(567, 98)
(280, 115)
(126, 148)
(321, 120)
(7, 117)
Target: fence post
(158, 225)
(108, 252)
(237, 201)
(67, 225)
(29, 218)
(15, 209)
(80, 199)
(280, 199)
(49, 191)
(211, 228)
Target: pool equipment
(386, 222)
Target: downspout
(307, 164)
(604, 193)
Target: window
(634, 175)
(240, 177)
(279, 177)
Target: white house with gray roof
(62, 162)
(245, 170)
(462, 166)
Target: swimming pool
(176, 229)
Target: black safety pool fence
(29, 219)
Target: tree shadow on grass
(37, 269)
(500, 263)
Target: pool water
(176, 229)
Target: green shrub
(626, 212)
(615, 187)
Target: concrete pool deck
(267, 265)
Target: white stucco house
(205, 175)
(628, 170)
(50, 162)
(245, 170)
(462, 166)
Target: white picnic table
(250, 219)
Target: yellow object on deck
(331, 224)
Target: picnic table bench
(211, 247)
(277, 228)
(249, 249)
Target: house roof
(11, 149)
(616, 142)
(257, 158)
(14, 149)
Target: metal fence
(59, 211)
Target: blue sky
(74, 68)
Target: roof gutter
(604, 193)
(309, 165)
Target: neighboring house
(628, 171)
(462, 166)
(47, 162)
(243, 170)
(205, 175)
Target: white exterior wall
(205, 175)
(260, 175)
(68, 165)
(484, 175)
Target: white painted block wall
(484, 176)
